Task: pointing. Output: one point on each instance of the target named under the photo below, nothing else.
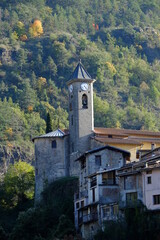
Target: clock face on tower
(84, 86)
(71, 88)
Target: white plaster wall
(151, 189)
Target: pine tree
(48, 123)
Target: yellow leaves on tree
(10, 145)
(41, 83)
(21, 31)
(42, 80)
(9, 131)
(36, 29)
(111, 67)
(14, 35)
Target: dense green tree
(18, 184)
(48, 123)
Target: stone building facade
(98, 188)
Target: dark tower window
(72, 147)
(72, 120)
(70, 106)
(84, 101)
(54, 144)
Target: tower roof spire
(80, 72)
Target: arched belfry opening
(84, 101)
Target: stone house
(140, 182)
(98, 196)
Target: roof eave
(80, 80)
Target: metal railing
(92, 217)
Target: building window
(72, 120)
(156, 199)
(131, 197)
(109, 136)
(70, 106)
(82, 204)
(93, 194)
(83, 163)
(109, 178)
(36, 171)
(115, 210)
(72, 147)
(98, 160)
(149, 180)
(77, 205)
(54, 144)
(106, 212)
(84, 101)
(125, 182)
(93, 181)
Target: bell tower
(81, 119)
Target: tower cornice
(80, 80)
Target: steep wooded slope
(40, 45)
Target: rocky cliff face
(10, 154)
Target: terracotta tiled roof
(121, 132)
(117, 140)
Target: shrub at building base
(53, 218)
(138, 223)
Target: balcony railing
(109, 181)
(88, 218)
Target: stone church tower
(81, 123)
(56, 152)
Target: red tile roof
(124, 132)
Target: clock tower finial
(81, 122)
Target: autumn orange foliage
(36, 28)
(30, 108)
(95, 26)
(23, 37)
(42, 80)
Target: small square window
(98, 160)
(109, 136)
(156, 199)
(149, 180)
(77, 205)
(54, 144)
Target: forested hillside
(40, 45)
